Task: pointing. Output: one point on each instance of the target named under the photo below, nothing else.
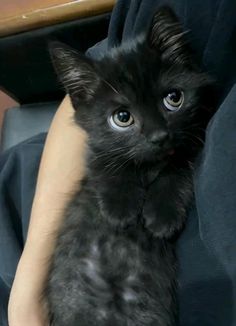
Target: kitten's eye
(174, 100)
(121, 119)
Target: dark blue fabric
(207, 248)
(18, 173)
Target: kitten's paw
(160, 229)
(162, 221)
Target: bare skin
(62, 163)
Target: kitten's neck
(144, 173)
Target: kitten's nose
(158, 137)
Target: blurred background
(29, 91)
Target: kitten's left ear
(76, 72)
(166, 35)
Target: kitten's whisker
(114, 153)
(110, 153)
(195, 139)
(119, 167)
(131, 154)
(112, 87)
(201, 141)
(193, 127)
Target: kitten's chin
(155, 157)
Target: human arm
(61, 165)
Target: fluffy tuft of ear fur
(167, 36)
(76, 72)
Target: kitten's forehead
(140, 70)
(133, 63)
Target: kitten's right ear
(76, 72)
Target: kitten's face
(143, 102)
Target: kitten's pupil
(123, 116)
(174, 96)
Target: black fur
(114, 263)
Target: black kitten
(145, 107)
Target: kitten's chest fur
(121, 196)
(107, 266)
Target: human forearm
(62, 164)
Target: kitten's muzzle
(159, 138)
(159, 148)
